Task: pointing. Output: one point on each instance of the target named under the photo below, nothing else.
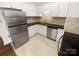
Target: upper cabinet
(62, 9)
(56, 9)
(17, 5)
(29, 9)
(5, 4)
(51, 7)
(73, 10)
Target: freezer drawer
(14, 13)
(19, 35)
(15, 21)
(52, 33)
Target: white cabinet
(39, 30)
(5, 4)
(32, 30)
(51, 7)
(29, 9)
(59, 34)
(56, 9)
(73, 10)
(16, 5)
(62, 9)
(42, 30)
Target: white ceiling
(38, 3)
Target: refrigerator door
(14, 13)
(19, 35)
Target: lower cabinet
(52, 33)
(44, 30)
(32, 30)
(59, 34)
(41, 29)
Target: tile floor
(38, 45)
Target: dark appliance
(69, 45)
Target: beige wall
(72, 25)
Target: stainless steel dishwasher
(52, 33)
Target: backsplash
(72, 25)
(32, 19)
(53, 20)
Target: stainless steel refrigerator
(17, 24)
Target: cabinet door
(5, 4)
(62, 9)
(51, 7)
(32, 30)
(59, 34)
(73, 10)
(39, 30)
(44, 30)
(17, 5)
(29, 9)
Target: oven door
(59, 43)
(19, 35)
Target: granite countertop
(46, 24)
(53, 22)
